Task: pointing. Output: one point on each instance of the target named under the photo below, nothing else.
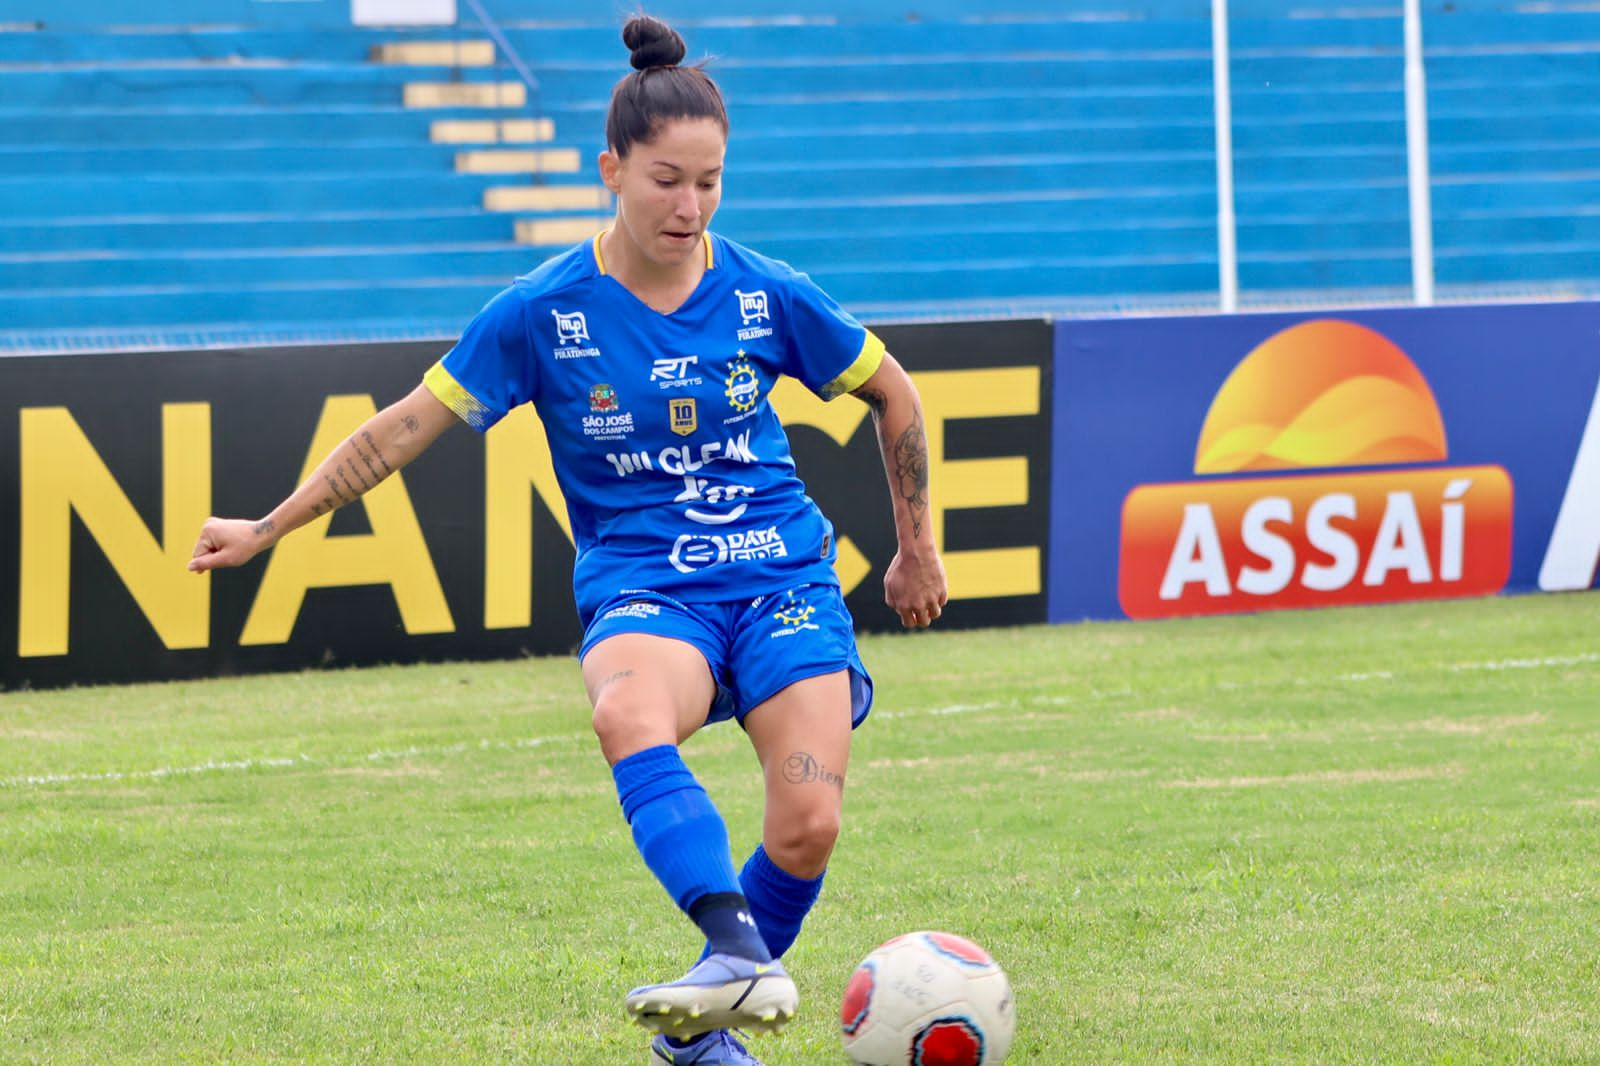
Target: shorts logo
(673, 373)
(571, 329)
(602, 399)
(753, 306)
(795, 612)
(700, 551)
(636, 609)
(744, 385)
(682, 416)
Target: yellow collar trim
(600, 260)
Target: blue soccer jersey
(676, 472)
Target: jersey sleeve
(491, 369)
(829, 351)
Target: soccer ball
(928, 999)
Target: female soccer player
(704, 574)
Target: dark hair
(658, 90)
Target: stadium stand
(232, 170)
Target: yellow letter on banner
(62, 473)
(393, 554)
(516, 455)
(948, 395)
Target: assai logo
(572, 336)
(681, 415)
(673, 372)
(1322, 394)
(743, 385)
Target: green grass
(1351, 836)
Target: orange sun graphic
(1321, 394)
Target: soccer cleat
(716, 1048)
(722, 992)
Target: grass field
(1365, 836)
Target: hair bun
(653, 43)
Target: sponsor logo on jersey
(673, 372)
(754, 308)
(743, 385)
(1321, 394)
(692, 552)
(681, 415)
(572, 336)
(697, 490)
(681, 459)
(602, 399)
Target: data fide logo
(1323, 394)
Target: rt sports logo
(1319, 395)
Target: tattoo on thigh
(802, 768)
(618, 676)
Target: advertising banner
(1252, 462)
(109, 464)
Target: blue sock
(685, 844)
(779, 901)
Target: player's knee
(625, 723)
(802, 842)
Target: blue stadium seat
(234, 168)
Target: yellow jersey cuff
(866, 364)
(450, 392)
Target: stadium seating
(242, 170)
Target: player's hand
(914, 587)
(230, 542)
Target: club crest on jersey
(572, 336)
(743, 386)
(681, 415)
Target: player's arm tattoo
(911, 470)
(343, 475)
(338, 493)
(411, 423)
(906, 456)
(874, 399)
(264, 527)
(369, 453)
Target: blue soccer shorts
(755, 648)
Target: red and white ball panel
(927, 999)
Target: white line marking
(234, 765)
(159, 772)
(1529, 664)
(527, 743)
